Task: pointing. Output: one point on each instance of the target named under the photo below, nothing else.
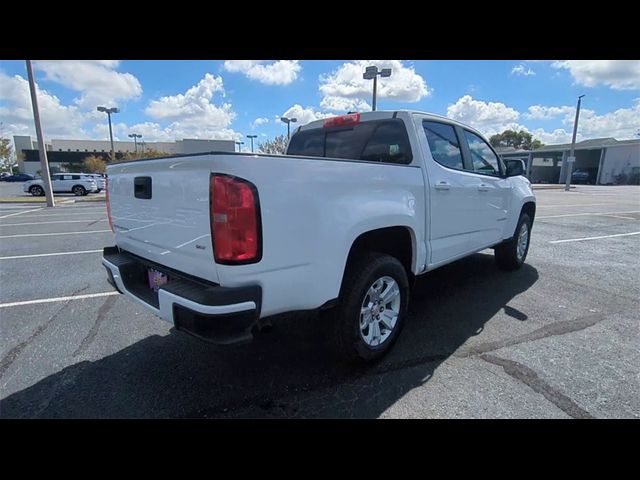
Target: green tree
(521, 140)
(94, 164)
(276, 146)
(7, 157)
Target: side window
(75, 177)
(389, 144)
(482, 157)
(444, 144)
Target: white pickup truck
(360, 205)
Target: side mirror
(514, 167)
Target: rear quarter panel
(312, 211)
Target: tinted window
(444, 144)
(308, 143)
(483, 158)
(377, 141)
(75, 177)
(389, 143)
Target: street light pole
(109, 111)
(252, 137)
(240, 146)
(371, 73)
(288, 121)
(572, 157)
(44, 163)
(135, 137)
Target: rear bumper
(210, 312)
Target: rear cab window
(384, 141)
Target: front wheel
(79, 190)
(511, 254)
(372, 309)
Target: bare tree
(277, 146)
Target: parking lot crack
(530, 378)
(15, 352)
(554, 329)
(90, 337)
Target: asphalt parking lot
(557, 339)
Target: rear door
(451, 195)
(489, 189)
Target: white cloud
(259, 121)
(539, 112)
(193, 114)
(345, 89)
(281, 72)
(485, 116)
(521, 69)
(97, 80)
(617, 74)
(17, 116)
(303, 115)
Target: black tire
(99, 190)
(506, 254)
(36, 191)
(79, 190)
(360, 276)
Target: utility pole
(44, 162)
(572, 158)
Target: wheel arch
(398, 241)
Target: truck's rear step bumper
(208, 311)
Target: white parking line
(20, 213)
(62, 214)
(58, 299)
(595, 238)
(54, 234)
(584, 214)
(49, 254)
(576, 205)
(47, 223)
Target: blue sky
(168, 100)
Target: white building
(74, 151)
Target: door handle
(483, 187)
(442, 186)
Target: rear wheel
(36, 191)
(372, 309)
(511, 255)
(79, 190)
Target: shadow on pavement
(288, 372)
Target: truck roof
(382, 114)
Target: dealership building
(600, 161)
(66, 154)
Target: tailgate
(160, 211)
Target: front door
(490, 189)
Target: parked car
(584, 175)
(75, 183)
(358, 207)
(4, 175)
(100, 180)
(18, 177)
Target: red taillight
(342, 120)
(234, 220)
(106, 195)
